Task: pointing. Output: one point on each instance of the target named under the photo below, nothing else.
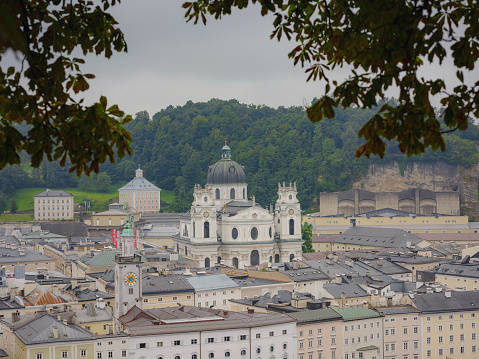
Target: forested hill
(176, 146)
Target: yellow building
(449, 323)
(411, 224)
(166, 291)
(457, 276)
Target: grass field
(24, 197)
(16, 217)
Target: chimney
(2, 243)
(338, 279)
(55, 289)
(15, 317)
(447, 293)
(380, 261)
(21, 251)
(250, 311)
(13, 293)
(55, 332)
(100, 303)
(295, 263)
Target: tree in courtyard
(42, 90)
(385, 45)
(307, 235)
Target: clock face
(206, 214)
(291, 211)
(130, 278)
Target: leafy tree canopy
(385, 44)
(41, 91)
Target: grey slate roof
(92, 314)
(203, 283)
(397, 310)
(350, 289)
(54, 193)
(340, 267)
(377, 237)
(40, 330)
(438, 302)
(469, 270)
(305, 274)
(87, 295)
(283, 297)
(139, 183)
(192, 319)
(386, 267)
(8, 304)
(12, 256)
(175, 283)
(315, 316)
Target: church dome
(226, 171)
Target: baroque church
(225, 227)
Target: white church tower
(127, 274)
(288, 212)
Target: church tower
(127, 274)
(288, 212)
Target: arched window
(218, 260)
(207, 230)
(243, 352)
(186, 250)
(291, 227)
(177, 357)
(194, 356)
(227, 354)
(291, 257)
(271, 348)
(254, 258)
(285, 346)
(254, 233)
(235, 262)
(270, 232)
(207, 262)
(244, 193)
(258, 350)
(276, 258)
(232, 193)
(217, 193)
(194, 230)
(211, 355)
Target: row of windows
(320, 355)
(451, 327)
(441, 351)
(440, 339)
(83, 354)
(405, 346)
(358, 339)
(52, 208)
(405, 330)
(146, 201)
(53, 201)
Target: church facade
(223, 226)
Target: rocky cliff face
(436, 176)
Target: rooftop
(54, 193)
(357, 313)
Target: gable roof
(40, 330)
(315, 316)
(139, 183)
(211, 282)
(356, 313)
(377, 237)
(351, 290)
(438, 302)
(54, 193)
(173, 283)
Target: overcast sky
(170, 61)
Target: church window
(207, 262)
(235, 262)
(232, 193)
(291, 257)
(290, 197)
(194, 230)
(205, 199)
(217, 193)
(244, 193)
(254, 233)
(234, 233)
(270, 232)
(207, 230)
(291, 227)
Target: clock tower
(127, 274)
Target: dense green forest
(176, 145)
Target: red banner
(136, 239)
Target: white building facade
(53, 205)
(223, 226)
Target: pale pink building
(140, 194)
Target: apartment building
(53, 205)
(192, 332)
(319, 333)
(449, 322)
(402, 333)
